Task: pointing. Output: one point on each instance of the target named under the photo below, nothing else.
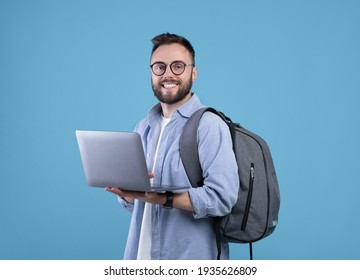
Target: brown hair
(167, 39)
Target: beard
(184, 88)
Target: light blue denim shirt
(177, 234)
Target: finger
(132, 194)
(113, 190)
(151, 175)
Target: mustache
(170, 81)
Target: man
(179, 224)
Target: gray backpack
(255, 214)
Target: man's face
(170, 88)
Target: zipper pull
(252, 172)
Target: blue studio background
(288, 70)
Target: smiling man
(179, 224)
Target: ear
(194, 74)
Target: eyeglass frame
(170, 64)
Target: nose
(168, 73)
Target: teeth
(169, 85)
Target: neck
(168, 109)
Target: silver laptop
(115, 159)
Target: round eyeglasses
(177, 67)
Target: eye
(177, 67)
(159, 67)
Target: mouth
(169, 85)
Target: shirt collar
(190, 106)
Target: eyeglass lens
(177, 67)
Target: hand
(130, 196)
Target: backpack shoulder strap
(189, 153)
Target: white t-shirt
(145, 234)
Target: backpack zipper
(249, 197)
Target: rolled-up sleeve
(220, 172)
(126, 205)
